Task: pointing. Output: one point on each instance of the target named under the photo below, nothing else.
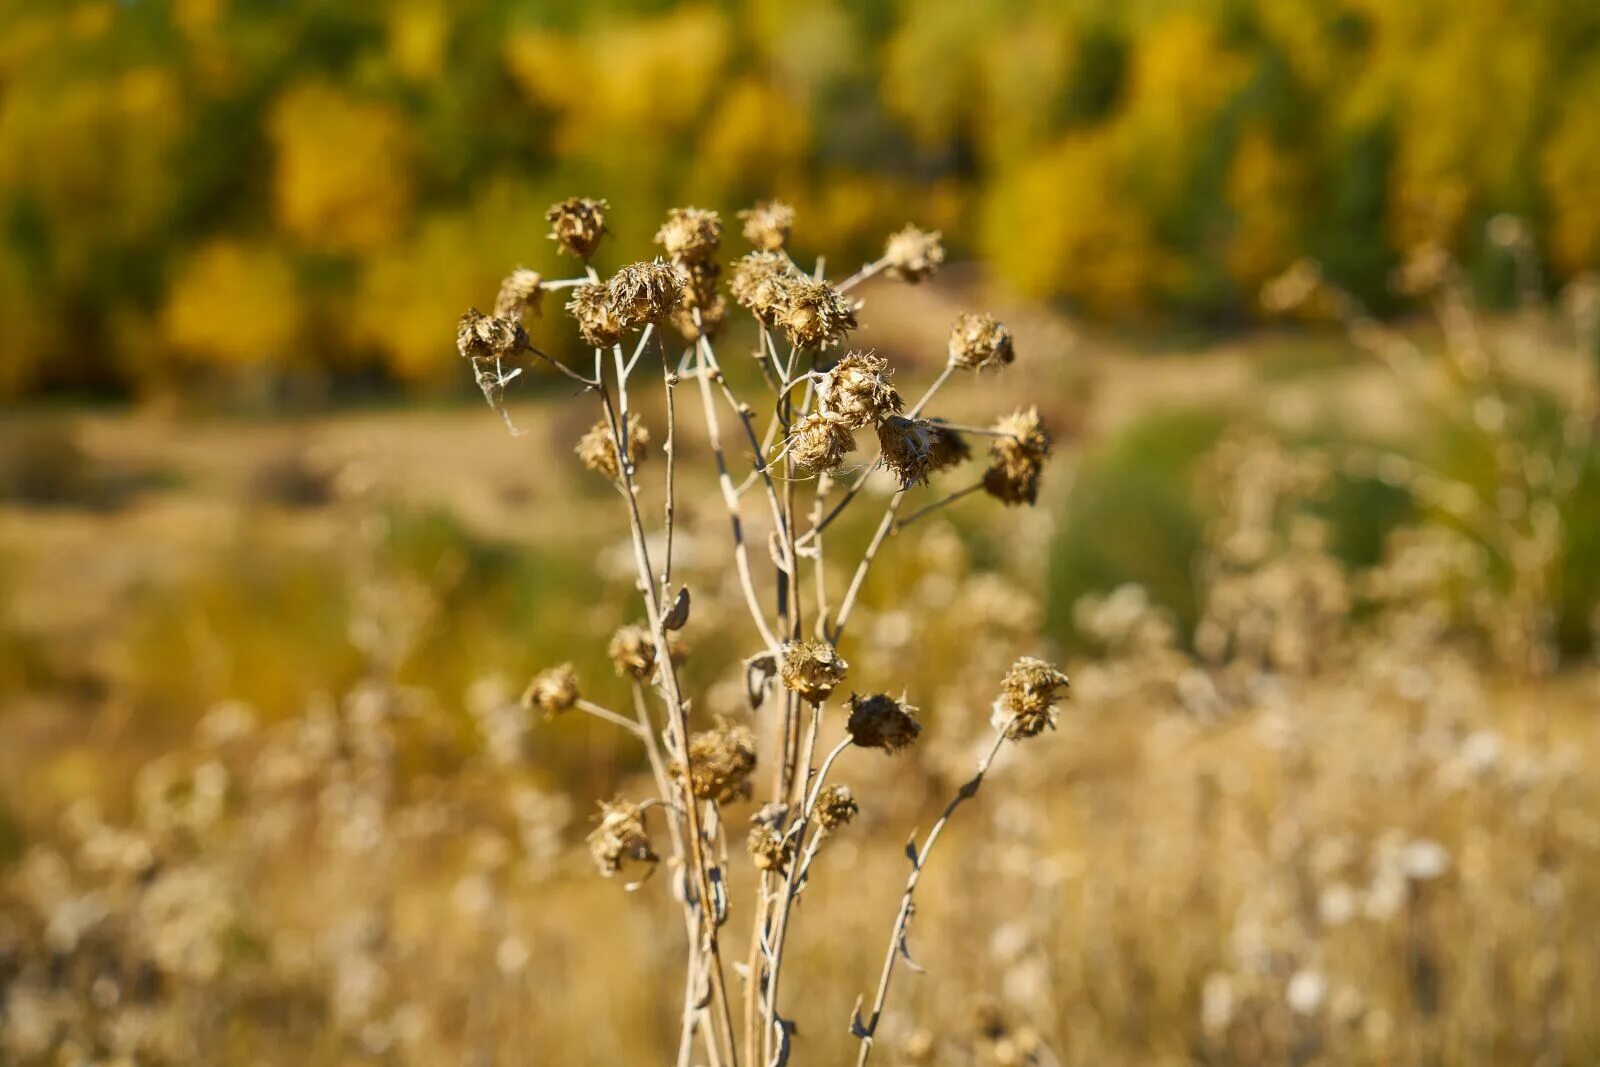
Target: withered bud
(881, 721)
(596, 316)
(520, 293)
(1027, 701)
(913, 254)
(758, 285)
(769, 849)
(1016, 459)
(700, 282)
(620, 838)
(979, 341)
(711, 315)
(642, 293)
(598, 448)
(633, 651)
(820, 441)
(813, 314)
(720, 763)
(836, 807)
(480, 336)
(857, 389)
(949, 447)
(577, 224)
(811, 668)
(552, 691)
(690, 234)
(768, 225)
(908, 449)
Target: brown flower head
(769, 849)
(598, 447)
(1016, 459)
(978, 342)
(836, 807)
(857, 390)
(913, 254)
(908, 448)
(768, 224)
(881, 721)
(1027, 701)
(480, 336)
(813, 314)
(690, 234)
(820, 441)
(577, 224)
(642, 293)
(711, 315)
(552, 691)
(520, 293)
(811, 668)
(949, 447)
(620, 838)
(597, 317)
(760, 280)
(720, 763)
(633, 651)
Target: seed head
(1027, 700)
(836, 807)
(480, 336)
(720, 763)
(597, 317)
(520, 293)
(552, 691)
(949, 448)
(598, 447)
(913, 254)
(713, 314)
(881, 721)
(577, 224)
(1017, 459)
(857, 390)
(690, 234)
(978, 342)
(768, 224)
(908, 448)
(820, 441)
(811, 668)
(813, 314)
(620, 838)
(769, 849)
(642, 293)
(759, 283)
(633, 651)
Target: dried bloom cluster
(519, 295)
(480, 336)
(857, 390)
(598, 447)
(769, 849)
(949, 448)
(979, 341)
(597, 318)
(813, 314)
(811, 668)
(642, 293)
(1016, 459)
(620, 838)
(633, 651)
(1027, 701)
(552, 691)
(767, 225)
(909, 448)
(720, 763)
(912, 254)
(759, 281)
(820, 441)
(690, 234)
(577, 224)
(881, 721)
(704, 308)
(836, 807)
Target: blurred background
(1305, 290)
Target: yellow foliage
(1570, 172)
(1264, 187)
(931, 71)
(757, 136)
(234, 304)
(419, 31)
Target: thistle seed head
(759, 283)
(1017, 459)
(811, 668)
(598, 448)
(1027, 701)
(597, 317)
(768, 849)
(820, 441)
(768, 225)
(690, 234)
(520, 293)
(713, 314)
(881, 721)
(836, 807)
(913, 254)
(949, 448)
(857, 389)
(620, 838)
(552, 691)
(642, 293)
(720, 763)
(813, 314)
(978, 342)
(480, 336)
(633, 651)
(577, 224)
(908, 448)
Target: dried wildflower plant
(667, 311)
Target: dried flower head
(913, 254)
(702, 318)
(979, 341)
(690, 234)
(721, 762)
(857, 389)
(881, 721)
(768, 224)
(908, 448)
(620, 838)
(552, 691)
(577, 224)
(480, 336)
(633, 650)
(769, 849)
(1027, 700)
(811, 668)
(820, 441)
(597, 317)
(759, 282)
(642, 293)
(598, 447)
(836, 807)
(1016, 459)
(520, 293)
(813, 314)
(949, 447)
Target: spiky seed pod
(768, 225)
(700, 283)
(759, 282)
(979, 341)
(768, 849)
(949, 448)
(552, 691)
(720, 763)
(913, 254)
(820, 441)
(1027, 701)
(857, 389)
(1016, 459)
(836, 807)
(907, 446)
(713, 313)
(577, 224)
(480, 336)
(811, 668)
(813, 314)
(633, 651)
(881, 721)
(690, 234)
(520, 293)
(598, 451)
(642, 293)
(620, 838)
(596, 316)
